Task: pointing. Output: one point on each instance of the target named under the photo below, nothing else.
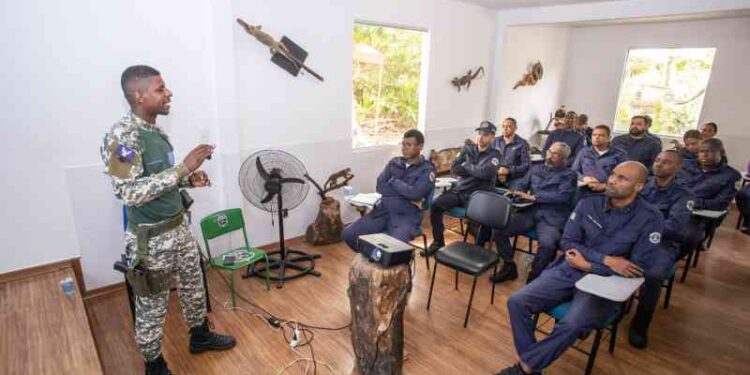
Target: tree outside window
(668, 84)
(386, 73)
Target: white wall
(531, 105)
(312, 120)
(61, 67)
(597, 57)
(60, 72)
(561, 15)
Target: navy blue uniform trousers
(553, 287)
(402, 227)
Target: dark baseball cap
(487, 127)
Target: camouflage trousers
(177, 252)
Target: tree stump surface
(377, 299)
(328, 227)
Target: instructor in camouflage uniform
(158, 244)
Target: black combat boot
(202, 339)
(157, 367)
(507, 272)
(638, 333)
(433, 248)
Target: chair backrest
(221, 223)
(489, 209)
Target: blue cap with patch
(487, 127)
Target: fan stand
(298, 262)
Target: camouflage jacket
(121, 153)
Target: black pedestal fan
(269, 174)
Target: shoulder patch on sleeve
(125, 153)
(432, 176)
(654, 238)
(572, 215)
(495, 162)
(690, 204)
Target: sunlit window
(386, 74)
(668, 84)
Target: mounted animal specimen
(465, 80)
(533, 75)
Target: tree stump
(378, 298)
(328, 227)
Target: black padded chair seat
(467, 258)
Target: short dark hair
(511, 119)
(416, 134)
(675, 153)
(713, 125)
(691, 134)
(605, 127)
(715, 144)
(135, 72)
(645, 118)
(583, 118)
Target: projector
(385, 250)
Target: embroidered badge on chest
(654, 238)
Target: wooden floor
(44, 331)
(705, 331)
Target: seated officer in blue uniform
(594, 163)
(516, 158)
(743, 205)
(476, 169)
(689, 153)
(567, 134)
(551, 187)
(712, 181)
(613, 233)
(404, 184)
(680, 233)
(639, 144)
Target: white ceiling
(507, 4)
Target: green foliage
(666, 84)
(386, 98)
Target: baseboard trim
(74, 263)
(104, 291)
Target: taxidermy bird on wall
(465, 80)
(534, 73)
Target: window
(387, 71)
(667, 84)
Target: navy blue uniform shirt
(597, 230)
(643, 150)
(514, 155)
(553, 189)
(402, 186)
(590, 163)
(675, 203)
(476, 170)
(570, 137)
(713, 189)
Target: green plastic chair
(224, 222)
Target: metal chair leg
(471, 299)
(670, 284)
(613, 338)
(456, 279)
(695, 257)
(432, 285)
(494, 274)
(594, 349)
(231, 288)
(688, 260)
(426, 257)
